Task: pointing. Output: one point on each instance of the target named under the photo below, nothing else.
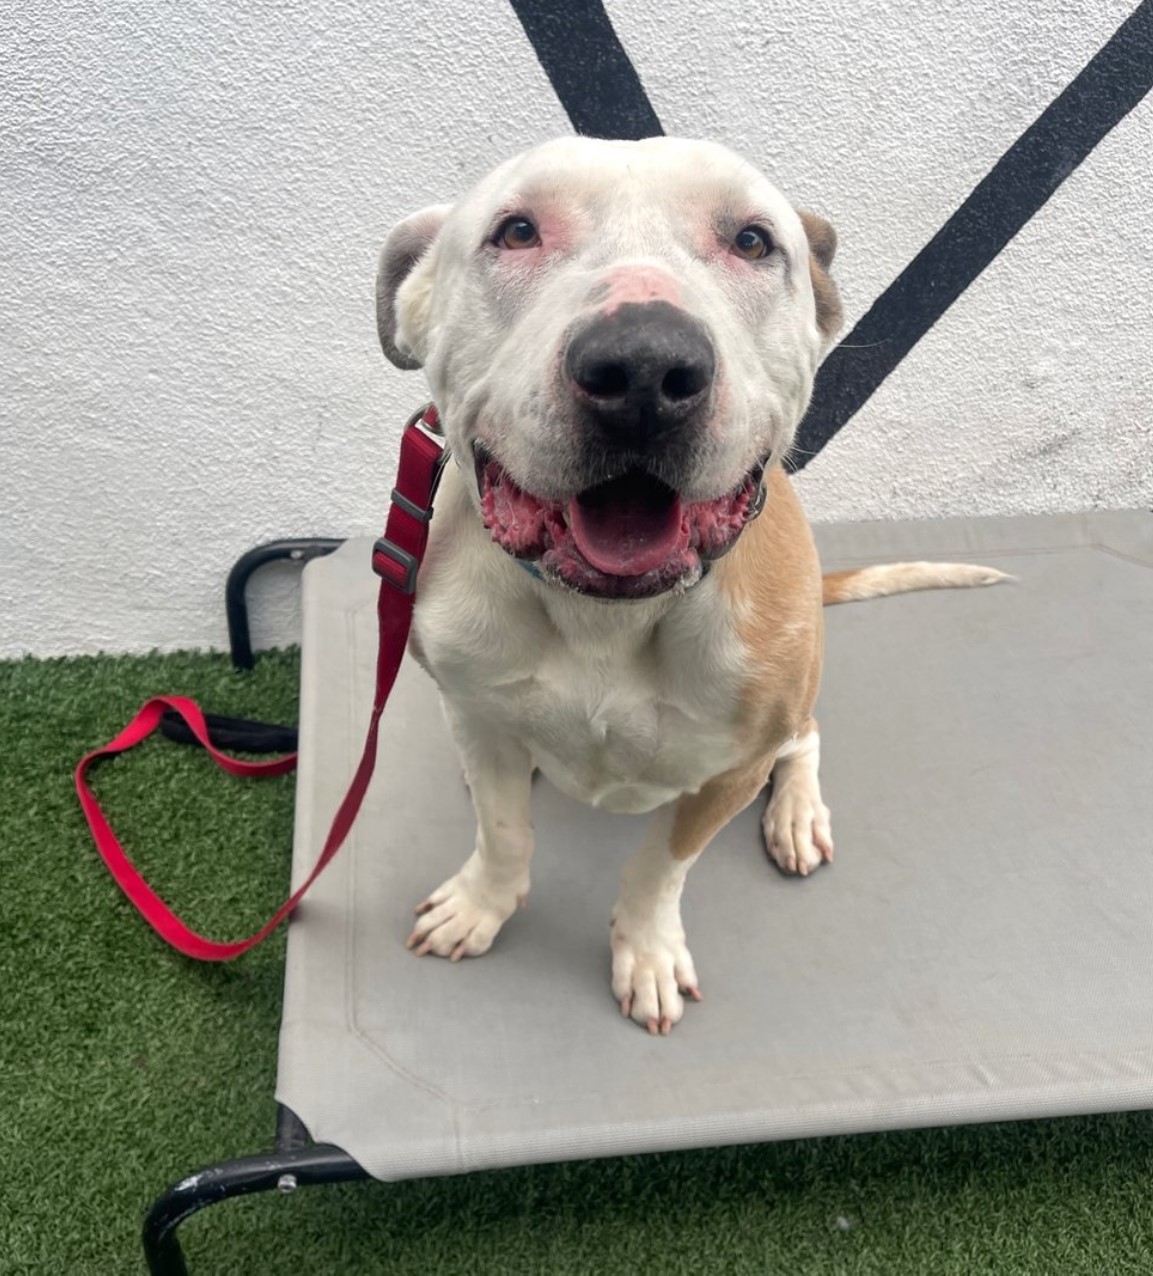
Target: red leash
(396, 559)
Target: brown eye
(517, 232)
(753, 243)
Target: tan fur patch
(772, 580)
(699, 817)
(772, 577)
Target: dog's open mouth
(630, 537)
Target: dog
(620, 588)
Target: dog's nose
(643, 370)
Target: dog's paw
(652, 973)
(798, 835)
(463, 916)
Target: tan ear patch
(822, 249)
(402, 253)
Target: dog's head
(620, 337)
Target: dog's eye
(752, 243)
(517, 232)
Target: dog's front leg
(796, 821)
(462, 917)
(652, 966)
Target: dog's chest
(620, 712)
(624, 733)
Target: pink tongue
(627, 528)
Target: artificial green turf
(123, 1066)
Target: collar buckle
(427, 420)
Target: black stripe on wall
(1109, 87)
(588, 68)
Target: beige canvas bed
(981, 949)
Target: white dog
(621, 338)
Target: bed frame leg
(296, 1163)
(235, 598)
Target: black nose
(643, 371)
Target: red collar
(397, 556)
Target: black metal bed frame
(295, 1160)
(300, 550)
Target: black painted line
(588, 68)
(1112, 83)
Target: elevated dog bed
(980, 950)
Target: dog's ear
(405, 247)
(822, 249)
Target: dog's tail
(902, 578)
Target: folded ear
(822, 248)
(409, 241)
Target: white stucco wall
(192, 199)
